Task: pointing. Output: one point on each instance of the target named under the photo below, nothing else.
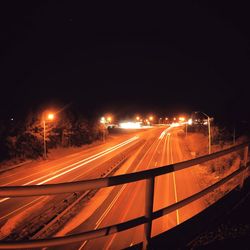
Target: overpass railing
(148, 175)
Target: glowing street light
(151, 118)
(190, 121)
(137, 118)
(49, 117)
(102, 120)
(109, 119)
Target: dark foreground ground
(224, 225)
(232, 230)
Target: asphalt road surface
(127, 201)
(160, 146)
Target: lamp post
(49, 117)
(209, 130)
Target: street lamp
(109, 119)
(209, 130)
(49, 117)
(103, 120)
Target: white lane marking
(176, 200)
(175, 190)
(85, 161)
(83, 245)
(110, 207)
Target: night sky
(126, 59)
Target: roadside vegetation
(22, 140)
(214, 170)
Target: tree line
(25, 139)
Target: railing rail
(50, 189)
(148, 175)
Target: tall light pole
(50, 117)
(209, 130)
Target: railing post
(149, 203)
(245, 158)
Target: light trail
(73, 164)
(158, 143)
(116, 198)
(84, 162)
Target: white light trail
(83, 162)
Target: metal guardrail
(148, 175)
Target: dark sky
(126, 58)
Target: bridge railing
(148, 175)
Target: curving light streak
(82, 163)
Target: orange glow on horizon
(182, 118)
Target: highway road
(159, 146)
(86, 164)
(127, 201)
